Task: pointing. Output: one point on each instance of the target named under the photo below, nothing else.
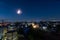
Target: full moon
(19, 11)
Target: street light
(19, 12)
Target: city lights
(35, 25)
(12, 32)
(44, 28)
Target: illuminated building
(4, 34)
(10, 33)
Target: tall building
(10, 33)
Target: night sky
(31, 9)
